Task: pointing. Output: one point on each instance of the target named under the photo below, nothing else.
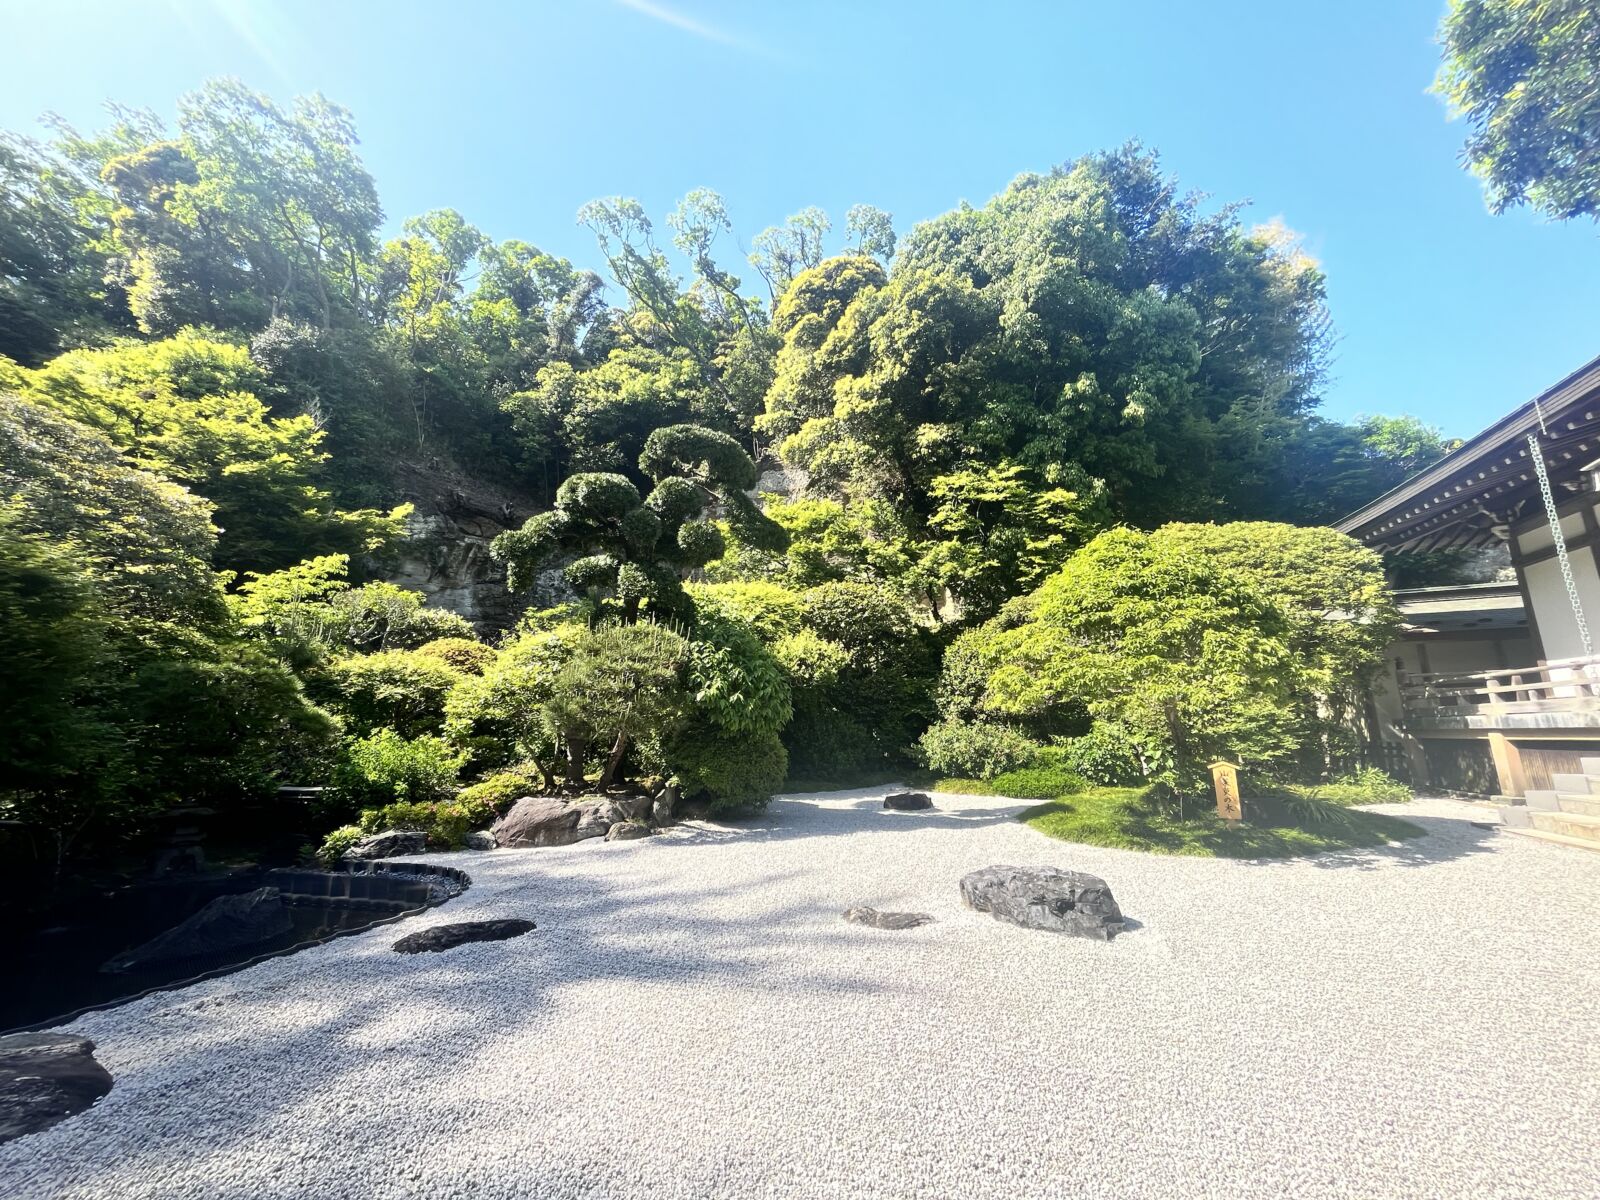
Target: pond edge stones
(1047, 898)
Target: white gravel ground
(693, 1018)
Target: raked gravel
(694, 1018)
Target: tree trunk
(575, 749)
(614, 762)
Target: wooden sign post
(1225, 776)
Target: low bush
(1105, 755)
(1039, 781)
(979, 750)
(728, 773)
(1366, 786)
(336, 843)
(464, 654)
(446, 823)
(503, 789)
(386, 768)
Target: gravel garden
(691, 1015)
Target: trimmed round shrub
(728, 772)
(465, 655)
(976, 749)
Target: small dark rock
(627, 831)
(389, 844)
(1045, 898)
(227, 923)
(480, 839)
(447, 937)
(44, 1079)
(886, 920)
(907, 801)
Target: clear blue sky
(517, 113)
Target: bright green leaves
(1524, 77)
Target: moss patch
(1131, 819)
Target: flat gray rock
(627, 831)
(44, 1079)
(227, 923)
(448, 937)
(480, 839)
(1045, 898)
(885, 920)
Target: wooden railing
(1559, 685)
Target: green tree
(1523, 75)
(634, 551)
(187, 408)
(150, 695)
(1092, 317)
(1148, 635)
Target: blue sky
(1316, 111)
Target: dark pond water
(53, 967)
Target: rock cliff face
(446, 556)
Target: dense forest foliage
(213, 364)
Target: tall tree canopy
(1522, 72)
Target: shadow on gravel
(807, 816)
(1444, 839)
(307, 1054)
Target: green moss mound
(1133, 819)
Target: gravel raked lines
(693, 1017)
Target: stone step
(1571, 785)
(1516, 816)
(1588, 806)
(1555, 839)
(1547, 800)
(1591, 766)
(1573, 825)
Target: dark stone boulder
(480, 839)
(627, 831)
(447, 937)
(907, 801)
(538, 821)
(44, 1079)
(634, 808)
(388, 844)
(886, 920)
(595, 818)
(1045, 898)
(227, 923)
